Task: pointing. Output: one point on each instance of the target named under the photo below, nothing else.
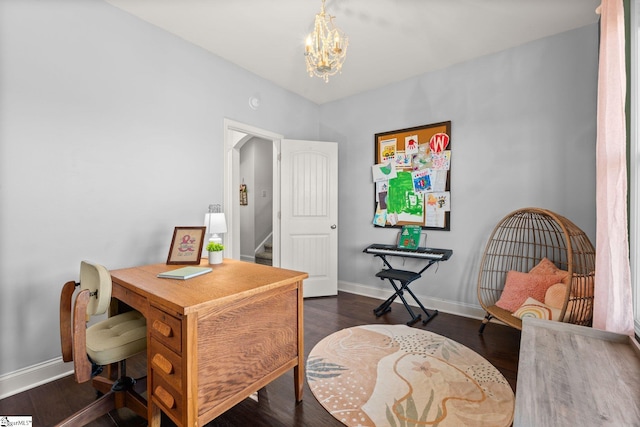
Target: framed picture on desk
(186, 245)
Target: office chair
(104, 343)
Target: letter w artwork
(439, 142)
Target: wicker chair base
(503, 316)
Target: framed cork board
(412, 177)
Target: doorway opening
(256, 201)
(251, 156)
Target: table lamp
(215, 222)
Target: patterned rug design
(395, 375)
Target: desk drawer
(166, 363)
(165, 328)
(133, 299)
(167, 398)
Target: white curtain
(613, 309)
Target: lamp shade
(215, 223)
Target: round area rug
(394, 375)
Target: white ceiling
(389, 40)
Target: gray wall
(111, 134)
(523, 134)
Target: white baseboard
(451, 307)
(33, 376)
(42, 373)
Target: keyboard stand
(403, 278)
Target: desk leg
(298, 371)
(298, 380)
(155, 415)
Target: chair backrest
(97, 280)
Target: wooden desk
(215, 339)
(572, 375)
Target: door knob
(333, 226)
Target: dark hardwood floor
(52, 402)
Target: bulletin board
(412, 177)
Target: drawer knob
(165, 397)
(162, 363)
(162, 328)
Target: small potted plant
(215, 252)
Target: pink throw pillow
(545, 266)
(520, 286)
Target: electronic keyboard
(423, 253)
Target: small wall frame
(186, 245)
(412, 177)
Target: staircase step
(268, 247)
(265, 258)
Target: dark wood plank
(276, 405)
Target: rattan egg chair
(519, 242)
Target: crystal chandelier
(326, 47)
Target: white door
(309, 213)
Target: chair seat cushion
(117, 338)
